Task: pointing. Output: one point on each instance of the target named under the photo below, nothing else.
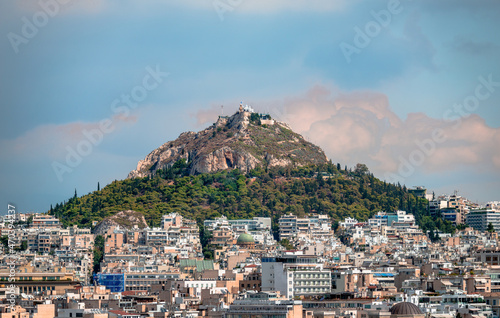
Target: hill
(243, 166)
(243, 141)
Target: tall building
(295, 275)
(317, 226)
(451, 214)
(480, 218)
(436, 205)
(452, 208)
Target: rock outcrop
(236, 142)
(124, 219)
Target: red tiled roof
(119, 312)
(131, 292)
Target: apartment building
(317, 226)
(295, 275)
(480, 218)
(351, 280)
(45, 221)
(452, 208)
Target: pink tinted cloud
(360, 126)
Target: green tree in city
(23, 247)
(4, 240)
(286, 244)
(490, 228)
(98, 252)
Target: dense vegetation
(98, 252)
(325, 189)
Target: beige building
(477, 284)
(78, 241)
(45, 311)
(113, 242)
(351, 280)
(17, 312)
(45, 221)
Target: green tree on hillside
(266, 193)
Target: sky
(90, 87)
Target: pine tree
(490, 228)
(432, 236)
(98, 187)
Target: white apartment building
(250, 225)
(387, 219)
(295, 275)
(348, 222)
(317, 226)
(480, 218)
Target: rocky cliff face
(241, 141)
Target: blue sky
(61, 73)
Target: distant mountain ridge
(244, 141)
